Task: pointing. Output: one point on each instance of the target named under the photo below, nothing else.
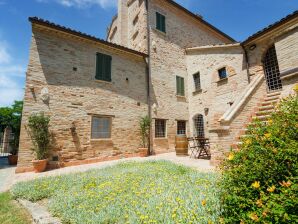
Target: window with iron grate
(101, 127)
(181, 127)
(160, 128)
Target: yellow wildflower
(231, 156)
(268, 135)
(256, 184)
(259, 203)
(254, 217)
(270, 121)
(286, 184)
(248, 141)
(204, 202)
(271, 189)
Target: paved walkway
(8, 178)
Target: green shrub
(38, 129)
(145, 130)
(260, 181)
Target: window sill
(222, 80)
(180, 96)
(160, 138)
(160, 32)
(101, 140)
(197, 92)
(102, 81)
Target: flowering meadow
(133, 192)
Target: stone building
(160, 60)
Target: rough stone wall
(287, 50)
(216, 94)
(75, 95)
(168, 61)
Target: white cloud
(11, 77)
(85, 3)
(4, 55)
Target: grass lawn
(11, 212)
(148, 192)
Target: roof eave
(35, 20)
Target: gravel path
(8, 178)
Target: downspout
(148, 70)
(247, 63)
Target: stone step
(267, 103)
(264, 112)
(268, 107)
(272, 98)
(261, 118)
(274, 94)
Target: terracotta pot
(143, 152)
(12, 160)
(39, 165)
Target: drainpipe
(247, 63)
(151, 150)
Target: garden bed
(133, 192)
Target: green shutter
(160, 22)
(103, 67)
(163, 23)
(180, 86)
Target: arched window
(199, 126)
(271, 70)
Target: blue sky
(237, 18)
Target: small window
(181, 127)
(160, 128)
(222, 73)
(197, 81)
(160, 22)
(103, 67)
(180, 86)
(101, 127)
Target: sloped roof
(199, 18)
(49, 24)
(271, 27)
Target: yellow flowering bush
(149, 192)
(260, 183)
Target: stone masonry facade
(145, 65)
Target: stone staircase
(263, 113)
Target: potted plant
(145, 134)
(13, 157)
(38, 129)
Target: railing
(240, 101)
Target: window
(160, 128)
(181, 127)
(222, 73)
(271, 68)
(197, 81)
(199, 126)
(101, 127)
(160, 22)
(103, 67)
(180, 86)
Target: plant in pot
(38, 129)
(145, 123)
(13, 157)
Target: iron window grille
(181, 127)
(101, 128)
(199, 126)
(160, 128)
(271, 69)
(197, 81)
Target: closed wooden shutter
(180, 86)
(103, 67)
(160, 22)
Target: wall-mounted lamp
(252, 47)
(31, 87)
(206, 110)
